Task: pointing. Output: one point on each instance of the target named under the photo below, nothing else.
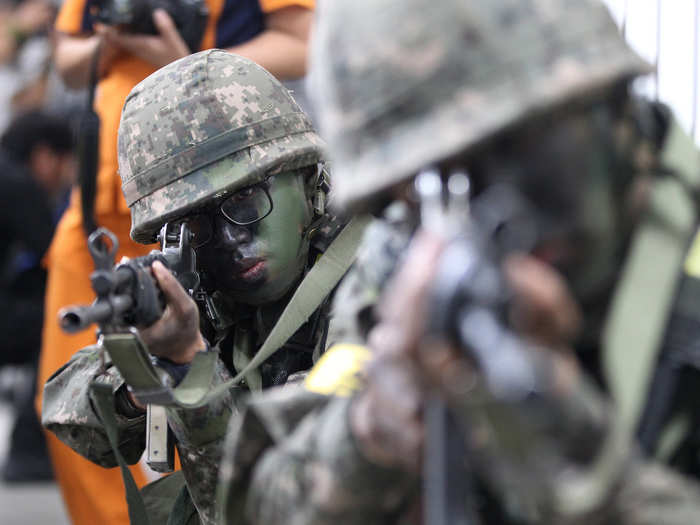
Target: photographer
(583, 200)
(270, 32)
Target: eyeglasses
(243, 208)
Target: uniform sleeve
(71, 18)
(318, 476)
(68, 411)
(268, 6)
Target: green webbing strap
(132, 360)
(644, 295)
(103, 399)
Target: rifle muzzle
(77, 318)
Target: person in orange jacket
(273, 33)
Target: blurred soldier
(215, 141)
(589, 195)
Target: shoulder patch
(692, 260)
(339, 371)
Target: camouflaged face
(400, 84)
(203, 126)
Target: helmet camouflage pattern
(395, 97)
(203, 126)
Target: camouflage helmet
(201, 127)
(395, 97)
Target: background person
(36, 171)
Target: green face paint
(259, 263)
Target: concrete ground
(31, 503)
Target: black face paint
(258, 263)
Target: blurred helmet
(401, 84)
(201, 127)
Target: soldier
(589, 188)
(215, 141)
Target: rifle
(447, 483)
(128, 296)
(531, 428)
(468, 300)
(127, 293)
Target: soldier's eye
(247, 206)
(244, 193)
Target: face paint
(260, 262)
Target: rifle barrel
(77, 318)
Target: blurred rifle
(530, 429)
(467, 308)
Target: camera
(136, 16)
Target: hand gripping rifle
(127, 293)
(127, 297)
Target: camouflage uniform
(194, 131)
(407, 87)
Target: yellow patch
(338, 372)
(692, 260)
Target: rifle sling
(103, 400)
